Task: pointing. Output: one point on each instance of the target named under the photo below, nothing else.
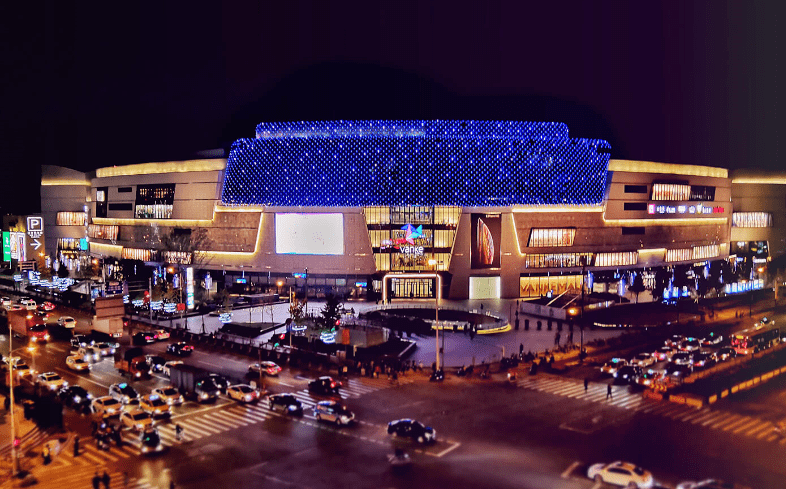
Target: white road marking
(211, 364)
(447, 450)
(573, 466)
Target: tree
(62, 271)
(222, 297)
(297, 311)
(637, 286)
(330, 312)
(681, 279)
(662, 277)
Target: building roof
(462, 163)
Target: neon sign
(684, 209)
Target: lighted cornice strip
(553, 208)
(54, 183)
(779, 180)
(163, 167)
(667, 222)
(670, 168)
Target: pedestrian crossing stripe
(83, 477)
(737, 424)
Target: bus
(757, 338)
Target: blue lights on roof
(462, 163)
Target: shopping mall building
(476, 209)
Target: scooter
(465, 371)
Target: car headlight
(145, 448)
(204, 395)
(140, 426)
(33, 339)
(46, 336)
(157, 411)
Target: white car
(51, 381)
(610, 368)
(75, 362)
(621, 474)
(88, 353)
(6, 301)
(165, 368)
(22, 370)
(242, 393)
(66, 322)
(123, 392)
(643, 360)
(106, 405)
(105, 349)
(28, 304)
(137, 419)
(161, 334)
(169, 394)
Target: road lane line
(448, 450)
(284, 383)
(198, 411)
(573, 466)
(211, 364)
(83, 378)
(718, 415)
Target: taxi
(610, 368)
(106, 405)
(154, 405)
(169, 394)
(242, 393)
(51, 381)
(137, 420)
(75, 362)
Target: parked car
(334, 412)
(410, 428)
(286, 403)
(621, 474)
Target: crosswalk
(30, 439)
(83, 477)
(211, 422)
(715, 419)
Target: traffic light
(17, 442)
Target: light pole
(583, 260)
(14, 457)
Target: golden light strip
(161, 222)
(106, 248)
(671, 168)
(186, 166)
(555, 208)
(780, 180)
(667, 222)
(54, 183)
(238, 253)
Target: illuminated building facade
(496, 209)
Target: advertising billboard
(6, 246)
(310, 234)
(486, 230)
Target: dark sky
(87, 85)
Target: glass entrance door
(412, 288)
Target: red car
(46, 306)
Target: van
(28, 304)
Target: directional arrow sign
(36, 244)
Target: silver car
(334, 412)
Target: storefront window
(616, 259)
(539, 237)
(71, 218)
(670, 191)
(556, 260)
(751, 219)
(102, 231)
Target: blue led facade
(391, 163)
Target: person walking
(46, 453)
(105, 479)
(126, 480)
(76, 446)
(96, 481)
(586, 384)
(178, 432)
(608, 392)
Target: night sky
(87, 85)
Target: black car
(75, 397)
(59, 332)
(181, 348)
(703, 360)
(143, 338)
(151, 442)
(221, 382)
(628, 373)
(156, 363)
(286, 403)
(410, 428)
(726, 353)
(324, 385)
(80, 340)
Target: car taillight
(332, 384)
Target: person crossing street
(609, 392)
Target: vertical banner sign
(35, 237)
(190, 287)
(486, 231)
(6, 246)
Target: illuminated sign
(83, 244)
(190, 287)
(411, 250)
(18, 246)
(310, 234)
(486, 233)
(697, 209)
(35, 226)
(6, 246)
(411, 233)
(328, 337)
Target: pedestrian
(586, 384)
(126, 480)
(608, 392)
(7, 403)
(105, 480)
(96, 481)
(521, 348)
(76, 446)
(46, 454)
(178, 432)
(171, 484)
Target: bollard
(526, 325)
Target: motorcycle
(399, 459)
(465, 371)
(437, 376)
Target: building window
(672, 191)
(635, 206)
(695, 253)
(635, 189)
(702, 192)
(101, 231)
(101, 195)
(632, 230)
(101, 201)
(155, 201)
(539, 237)
(71, 218)
(68, 244)
(120, 206)
(751, 220)
(556, 260)
(125, 190)
(616, 259)
(136, 254)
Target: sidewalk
(31, 437)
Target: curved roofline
(634, 166)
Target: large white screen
(310, 234)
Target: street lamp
(14, 456)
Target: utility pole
(14, 457)
(150, 294)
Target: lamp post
(433, 263)
(14, 457)
(583, 260)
